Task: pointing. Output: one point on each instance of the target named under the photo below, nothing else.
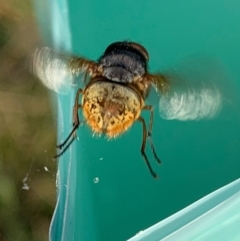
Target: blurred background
(27, 131)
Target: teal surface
(105, 189)
(214, 217)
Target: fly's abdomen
(110, 108)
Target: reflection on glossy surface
(213, 217)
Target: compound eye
(141, 49)
(127, 46)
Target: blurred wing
(200, 88)
(160, 82)
(57, 71)
(191, 103)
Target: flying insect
(116, 88)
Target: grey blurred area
(27, 131)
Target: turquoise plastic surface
(214, 217)
(105, 191)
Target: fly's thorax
(110, 108)
(122, 67)
(124, 62)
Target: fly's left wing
(57, 71)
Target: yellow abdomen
(110, 108)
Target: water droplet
(96, 180)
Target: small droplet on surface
(96, 180)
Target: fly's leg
(76, 124)
(144, 145)
(149, 135)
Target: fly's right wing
(191, 102)
(184, 100)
